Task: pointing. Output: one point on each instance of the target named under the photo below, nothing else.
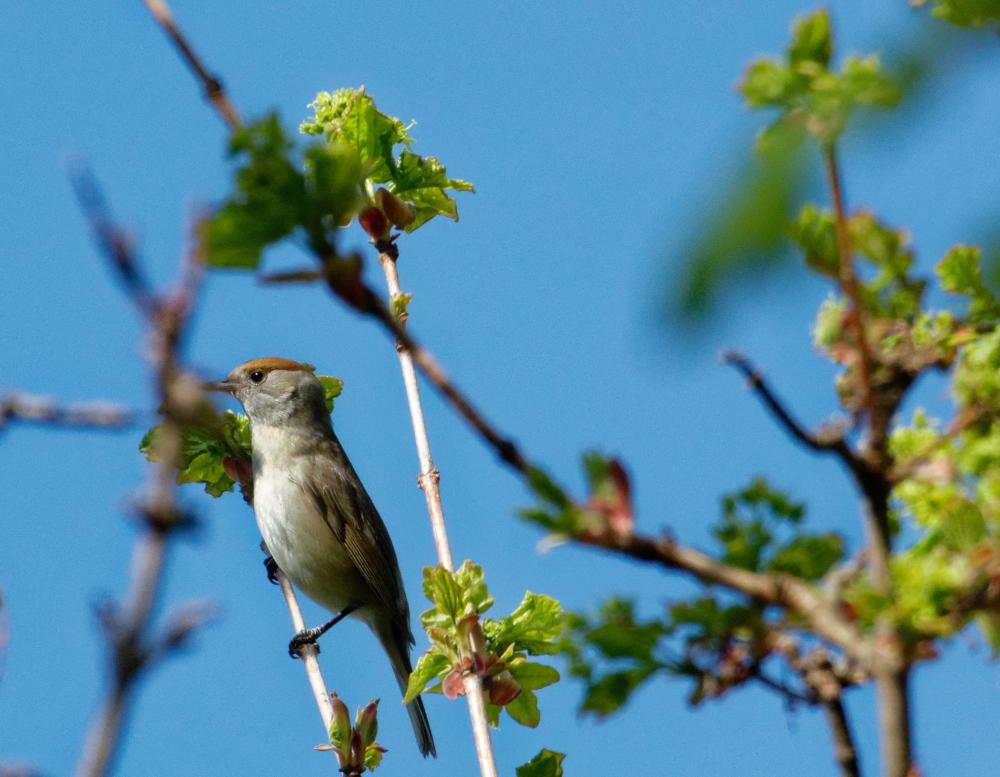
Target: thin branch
(214, 90)
(17, 406)
(825, 441)
(827, 683)
(771, 588)
(308, 653)
(849, 280)
(429, 479)
(127, 629)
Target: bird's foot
(272, 569)
(303, 638)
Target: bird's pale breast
(300, 540)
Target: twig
(825, 441)
(827, 684)
(429, 479)
(771, 588)
(178, 394)
(849, 280)
(214, 90)
(17, 406)
(307, 653)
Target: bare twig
(827, 682)
(428, 480)
(848, 280)
(214, 90)
(127, 629)
(17, 406)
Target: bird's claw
(272, 569)
(300, 640)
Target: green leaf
(741, 234)
(350, 118)
(960, 272)
(548, 763)
(373, 757)
(534, 626)
(472, 583)
(332, 388)
(276, 194)
(524, 709)
(610, 692)
(532, 675)
(809, 556)
(430, 666)
(422, 181)
(811, 39)
(966, 13)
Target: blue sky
(596, 136)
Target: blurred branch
(848, 280)
(827, 681)
(772, 588)
(127, 627)
(214, 90)
(17, 406)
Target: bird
(318, 523)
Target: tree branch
(429, 479)
(771, 588)
(849, 281)
(127, 629)
(211, 84)
(17, 406)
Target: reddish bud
(239, 470)
(374, 222)
(502, 688)
(399, 212)
(366, 723)
(453, 687)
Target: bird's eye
(257, 376)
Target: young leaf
(548, 763)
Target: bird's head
(277, 392)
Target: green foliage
(548, 763)
(279, 194)
(808, 95)
(887, 288)
(752, 521)
(965, 13)
(208, 446)
(960, 272)
(745, 228)
(349, 118)
(497, 649)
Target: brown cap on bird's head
(256, 370)
(272, 363)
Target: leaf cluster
(718, 641)
(349, 118)
(278, 194)
(809, 96)
(497, 649)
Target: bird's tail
(397, 647)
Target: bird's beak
(228, 386)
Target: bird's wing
(349, 512)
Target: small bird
(318, 522)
